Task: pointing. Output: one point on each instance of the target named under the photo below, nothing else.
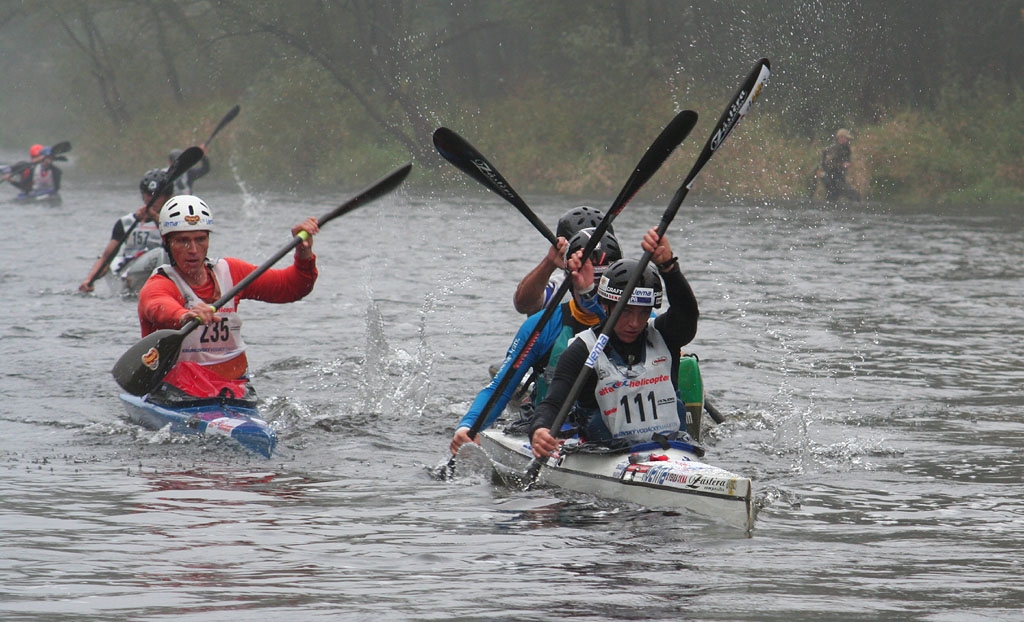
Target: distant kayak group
(38, 178)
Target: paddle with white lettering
(466, 158)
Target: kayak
(236, 419)
(126, 278)
(657, 475)
(52, 198)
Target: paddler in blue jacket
(536, 288)
(578, 314)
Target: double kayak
(234, 419)
(659, 475)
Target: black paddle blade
(188, 158)
(140, 369)
(671, 137)
(59, 148)
(228, 118)
(443, 471)
(467, 159)
(374, 191)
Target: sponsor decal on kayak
(223, 425)
(680, 475)
(151, 358)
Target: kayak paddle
(188, 158)
(666, 142)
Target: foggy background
(337, 91)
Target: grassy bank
(967, 151)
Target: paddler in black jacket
(632, 395)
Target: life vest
(636, 401)
(145, 236)
(218, 342)
(561, 343)
(42, 180)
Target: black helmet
(647, 292)
(604, 254)
(579, 218)
(152, 180)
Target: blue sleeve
(592, 304)
(545, 340)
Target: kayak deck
(648, 475)
(212, 417)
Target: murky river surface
(870, 361)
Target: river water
(869, 360)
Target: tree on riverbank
(564, 99)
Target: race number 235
(215, 332)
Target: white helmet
(185, 213)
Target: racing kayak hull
(656, 476)
(211, 417)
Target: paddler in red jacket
(213, 356)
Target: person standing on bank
(835, 159)
(183, 184)
(632, 395)
(213, 358)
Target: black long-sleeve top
(678, 327)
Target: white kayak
(657, 476)
(126, 278)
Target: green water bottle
(691, 392)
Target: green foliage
(562, 99)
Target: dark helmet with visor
(604, 254)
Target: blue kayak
(212, 416)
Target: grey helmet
(604, 254)
(648, 290)
(579, 218)
(153, 179)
